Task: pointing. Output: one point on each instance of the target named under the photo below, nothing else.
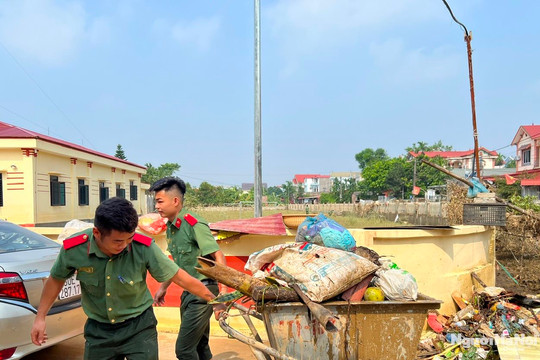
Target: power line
(22, 117)
(206, 180)
(45, 94)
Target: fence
(425, 213)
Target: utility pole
(468, 38)
(257, 194)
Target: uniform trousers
(133, 339)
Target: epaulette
(143, 239)
(74, 241)
(190, 219)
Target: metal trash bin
(387, 330)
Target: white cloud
(48, 31)
(198, 33)
(403, 65)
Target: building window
(526, 156)
(58, 192)
(120, 192)
(84, 198)
(103, 192)
(1, 191)
(132, 190)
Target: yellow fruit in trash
(373, 294)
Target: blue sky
(172, 81)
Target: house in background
(345, 175)
(463, 159)
(246, 187)
(527, 142)
(45, 181)
(313, 184)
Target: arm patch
(143, 239)
(190, 219)
(74, 241)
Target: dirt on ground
(518, 252)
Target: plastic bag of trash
(152, 223)
(320, 272)
(72, 227)
(397, 284)
(323, 231)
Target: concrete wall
(425, 213)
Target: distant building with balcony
(463, 159)
(45, 181)
(312, 184)
(345, 175)
(527, 142)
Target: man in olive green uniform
(188, 237)
(111, 262)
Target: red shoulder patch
(74, 241)
(190, 219)
(143, 239)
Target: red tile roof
(299, 179)
(8, 131)
(532, 130)
(451, 154)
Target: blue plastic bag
(323, 231)
(478, 187)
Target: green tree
(228, 195)
(342, 189)
(427, 175)
(190, 198)
(207, 194)
(421, 146)
(120, 152)
(369, 156)
(276, 194)
(300, 192)
(396, 175)
(153, 174)
(500, 160)
(506, 191)
(375, 177)
(288, 191)
(327, 198)
(510, 163)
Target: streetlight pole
(257, 138)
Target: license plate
(72, 287)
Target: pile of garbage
(474, 331)
(322, 264)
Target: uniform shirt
(113, 289)
(186, 242)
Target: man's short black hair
(116, 214)
(168, 183)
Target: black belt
(209, 282)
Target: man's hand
(219, 310)
(39, 334)
(159, 296)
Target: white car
(25, 261)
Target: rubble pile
(472, 332)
